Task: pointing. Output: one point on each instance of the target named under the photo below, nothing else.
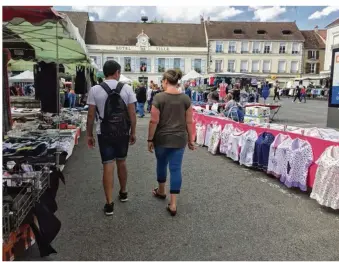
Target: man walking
(188, 90)
(112, 103)
(276, 91)
(141, 99)
(149, 96)
(297, 94)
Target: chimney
(316, 28)
(201, 19)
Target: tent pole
(58, 94)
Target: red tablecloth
(318, 145)
(272, 107)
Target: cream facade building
(332, 39)
(146, 50)
(267, 49)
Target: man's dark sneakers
(123, 196)
(109, 209)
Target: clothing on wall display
(225, 134)
(234, 143)
(45, 83)
(261, 150)
(326, 185)
(201, 132)
(222, 90)
(215, 139)
(277, 156)
(247, 148)
(299, 159)
(80, 80)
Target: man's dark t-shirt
(141, 94)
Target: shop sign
(123, 48)
(162, 48)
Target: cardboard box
(257, 111)
(256, 120)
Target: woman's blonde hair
(229, 97)
(172, 76)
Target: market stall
(294, 155)
(41, 140)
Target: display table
(318, 145)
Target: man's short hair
(111, 67)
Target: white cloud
(189, 14)
(264, 14)
(143, 12)
(123, 11)
(325, 12)
(101, 11)
(91, 18)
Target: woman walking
(170, 130)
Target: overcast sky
(306, 17)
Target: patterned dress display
(299, 159)
(215, 139)
(277, 157)
(326, 185)
(201, 132)
(247, 148)
(225, 134)
(262, 150)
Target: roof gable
(335, 22)
(160, 34)
(249, 30)
(313, 40)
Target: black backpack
(116, 123)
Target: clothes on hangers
(80, 80)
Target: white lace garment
(299, 159)
(215, 139)
(201, 132)
(208, 134)
(225, 134)
(326, 184)
(234, 140)
(247, 147)
(277, 157)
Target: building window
(256, 48)
(97, 61)
(219, 47)
(161, 65)
(243, 66)
(313, 68)
(295, 48)
(218, 66)
(244, 47)
(197, 65)
(231, 66)
(255, 66)
(294, 67)
(267, 48)
(143, 64)
(127, 63)
(266, 68)
(313, 54)
(282, 48)
(232, 47)
(176, 63)
(282, 67)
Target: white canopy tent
(124, 79)
(191, 75)
(24, 77)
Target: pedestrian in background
(297, 94)
(276, 91)
(141, 94)
(303, 94)
(170, 130)
(149, 96)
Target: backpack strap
(106, 88)
(119, 87)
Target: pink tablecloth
(318, 145)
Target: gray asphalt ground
(225, 212)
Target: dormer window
(286, 32)
(238, 31)
(261, 32)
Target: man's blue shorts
(113, 151)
